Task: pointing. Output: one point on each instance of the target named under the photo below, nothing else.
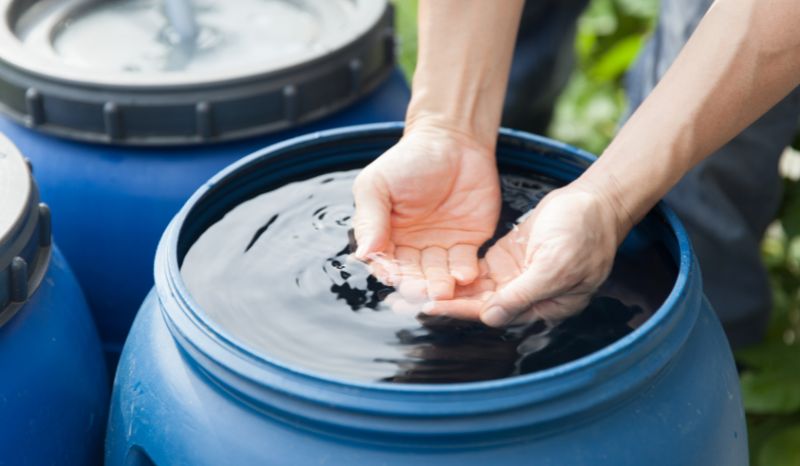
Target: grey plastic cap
(25, 232)
(163, 109)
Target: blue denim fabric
(543, 61)
(729, 199)
(726, 202)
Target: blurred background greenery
(610, 34)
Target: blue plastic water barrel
(53, 384)
(187, 392)
(118, 153)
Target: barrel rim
(257, 377)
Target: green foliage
(790, 210)
(776, 440)
(781, 449)
(610, 35)
(406, 20)
(770, 377)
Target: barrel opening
(317, 157)
(650, 254)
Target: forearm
(464, 57)
(742, 59)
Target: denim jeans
(726, 202)
(543, 61)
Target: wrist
(610, 203)
(442, 127)
(459, 109)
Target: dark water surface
(275, 274)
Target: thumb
(371, 223)
(533, 285)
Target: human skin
(742, 59)
(434, 198)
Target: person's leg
(727, 201)
(543, 62)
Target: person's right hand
(549, 266)
(427, 205)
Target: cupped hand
(548, 267)
(423, 209)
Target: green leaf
(640, 8)
(790, 210)
(781, 449)
(614, 62)
(598, 19)
(760, 429)
(793, 256)
(584, 45)
(771, 383)
(771, 391)
(773, 250)
(406, 25)
(771, 356)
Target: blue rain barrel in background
(123, 118)
(189, 392)
(54, 388)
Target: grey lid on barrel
(25, 239)
(117, 72)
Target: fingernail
(458, 275)
(428, 307)
(495, 316)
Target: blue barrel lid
(25, 239)
(162, 72)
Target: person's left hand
(424, 207)
(547, 268)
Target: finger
(526, 317)
(400, 306)
(465, 308)
(463, 260)
(379, 271)
(503, 266)
(434, 265)
(535, 284)
(371, 222)
(384, 267)
(483, 268)
(475, 288)
(410, 280)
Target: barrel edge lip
(585, 370)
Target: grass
(610, 34)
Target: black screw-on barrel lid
(25, 239)
(119, 72)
